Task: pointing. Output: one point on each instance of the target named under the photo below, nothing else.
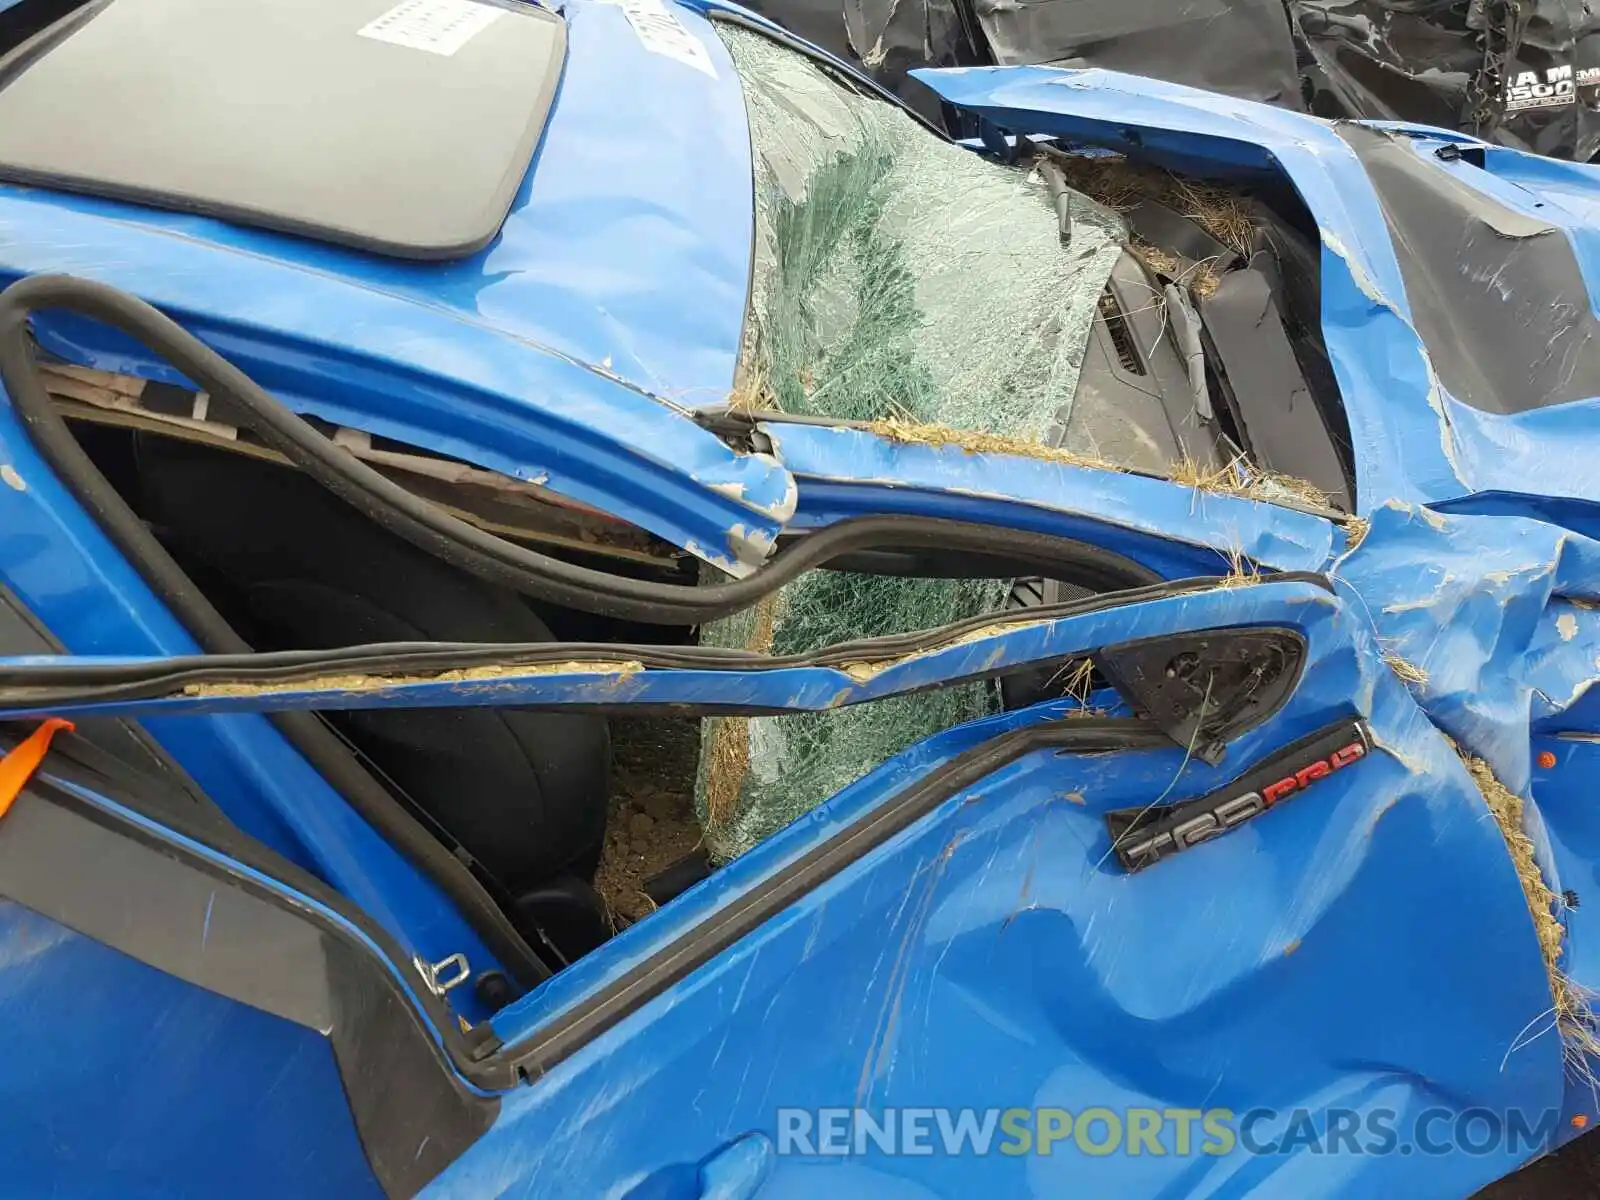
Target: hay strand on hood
(750, 392)
(1242, 571)
(1407, 672)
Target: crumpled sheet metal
(1569, 828)
(1563, 666)
(1398, 863)
(1501, 612)
(1548, 452)
(1007, 965)
(1372, 58)
(880, 475)
(1490, 608)
(1412, 440)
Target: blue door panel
(123, 1081)
(990, 956)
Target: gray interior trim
(402, 128)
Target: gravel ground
(651, 824)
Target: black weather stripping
(1224, 679)
(745, 912)
(431, 528)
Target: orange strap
(23, 759)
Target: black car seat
(292, 566)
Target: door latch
(443, 975)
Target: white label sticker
(1530, 89)
(660, 32)
(437, 26)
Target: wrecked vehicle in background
(1241, 48)
(1135, 583)
(1523, 74)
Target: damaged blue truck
(1131, 581)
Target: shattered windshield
(897, 278)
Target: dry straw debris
(1571, 1012)
(1406, 672)
(1120, 185)
(727, 751)
(1237, 477)
(978, 442)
